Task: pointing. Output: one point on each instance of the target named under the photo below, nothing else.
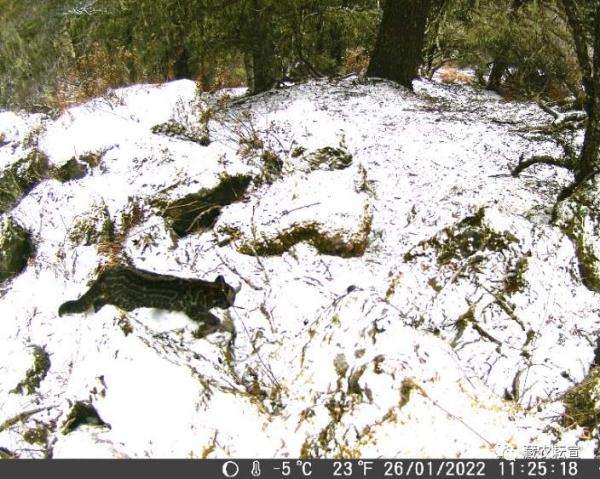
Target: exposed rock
(469, 237)
(332, 242)
(329, 158)
(199, 211)
(82, 413)
(302, 209)
(15, 248)
(20, 178)
(77, 167)
(95, 227)
(7, 454)
(71, 170)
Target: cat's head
(228, 297)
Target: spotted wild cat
(130, 288)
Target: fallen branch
(266, 367)
(234, 270)
(254, 252)
(540, 159)
(287, 212)
(484, 334)
(451, 415)
(22, 417)
(505, 306)
(560, 118)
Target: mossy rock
(464, 240)
(15, 248)
(297, 151)
(199, 211)
(326, 242)
(515, 279)
(272, 166)
(7, 454)
(95, 228)
(21, 177)
(330, 158)
(71, 170)
(577, 217)
(174, 129)
(38, 435)
(82, 413)
(91, 159)
(36, 374)
(582, 403)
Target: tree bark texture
(589, 160)
(579, 39)
(399, 46)
(590, 152)
(261, 46)
(495, 79)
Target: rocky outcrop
(20, 178)
(302, 208)
(15, 248)
(199, 211)
(579, 217)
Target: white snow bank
(331, 356)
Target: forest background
(55, 53)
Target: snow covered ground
(414, 303)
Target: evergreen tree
(499, 65)
(58, 52)
(527, 44)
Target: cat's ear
(220, 280)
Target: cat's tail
(90, 298)
(72, 307)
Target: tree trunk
(578, 211)
(590, 153)
(589, 159)
(499, 66)
(181, 65)
(261, 47)
(495, 79)
(399, 46)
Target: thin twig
(264, 365)
(287, 212)
(254, 252)
(237, 273)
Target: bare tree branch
(540, 159)
(560, 118)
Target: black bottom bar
(301, 468)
